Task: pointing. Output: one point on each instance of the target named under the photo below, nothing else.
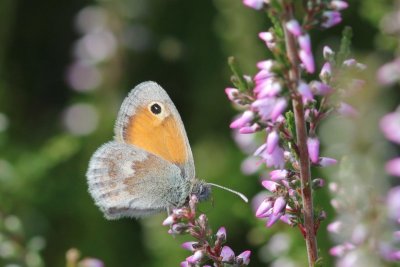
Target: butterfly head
(201, 190)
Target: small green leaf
(291, 123)
(237, 78)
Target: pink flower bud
(188, 245)
(227, 254)
(244, 257)
(325, 162)
(338, 5)
(255, 4)
(272, 141)
(326, 71)
(313, 149)
(246, 117)
(169, 220)
(305, 91)
(308, 61)
(273, 219)
(319, 88)
(327, 52)
(305, 43)
(196, 257)
(331, 18)
(392, 167)
(232, 93)
(221, 234)
(265, 208)
(293, 27)
(270, 185)
(278, 175)
(279, 206)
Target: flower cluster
(208, 246)
(265, 97)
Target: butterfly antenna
(232, 191)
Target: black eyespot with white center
(155, 109)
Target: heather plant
(286, 103)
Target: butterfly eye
(155, 108)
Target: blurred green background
(65, 67)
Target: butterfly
(148, 167)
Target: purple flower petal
(232, 93)
(326, 71)
(266, 36)
(305, 91)
(278, 108)
(227, 254)
(279, 206)
(331, 18)
(221, 233)
(246, 117)
(390, 126)
(277, 175)
(335, 227)
(196, 257)
(265, 208)
(305, 43)
(347, 110)
(272, 141)
(185, 264)
(270, 185)
(188, 245)
(393, 203)
(320, 88)
(294, 27)
(327, 52)
(313, 149)
(308, 61)
(255, 4)
(266, 64)
(393, 167)
(169, 220)
(338, 5)
(325, 162)
(245, 257)
(273, 219)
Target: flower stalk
(301, 133)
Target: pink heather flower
(255, 4)
(327, 52)
(389, 73)
(390, 126)
(338, 5)
(273, 219)
(169, 220)
(272, 141)
(313, 149)
(331, 18)
(347, 110)
(326, 71)
(325, 162)
(335, 227)
(293, 27)
(351, 62)
(340, 250)
(263, 74)
(246, 118)
(227, 254)
(268, 37)
(279, 206)
(270, 185)
(278, 108)
(250, 165)
(196, 257)
(266, 64)
(277, 175)
(221, 233)
(232, 93)
(249, 129)
(265, 208)
(319, 88)
(392, 167)
(305, 43)
(268, 88)
(305, 91)
(286, 218)
(244, 257)
(188, 245)
(308, 61)
(185, 264)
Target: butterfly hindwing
(127, 181)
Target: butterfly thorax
(201, 190)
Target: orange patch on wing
(158, 136)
